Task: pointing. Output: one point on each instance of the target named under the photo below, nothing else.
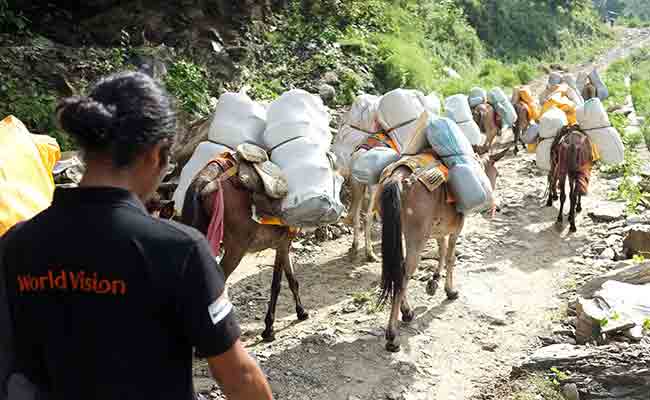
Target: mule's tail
(392, 251)
(573, 160)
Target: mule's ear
(496, 157)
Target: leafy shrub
(35, 107)
(11, 20)
(187, 82)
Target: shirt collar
(97, 195)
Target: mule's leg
(268, 335)
(232, 257)
(562, 184)
(370, 217)
(432, 285)
(416, 235)
(517, 134)
(452, 293)
(572, 208)
(551, 191)
(358, 195)
(579, 205)
(287, 264)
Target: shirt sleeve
(205, 309)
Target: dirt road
(508, 273)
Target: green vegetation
(646, 324)
(187, 82)
(538, 387)
(637, 67)
(12, 20)
(379, 45)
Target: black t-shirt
(108, 302)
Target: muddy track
(508, 273)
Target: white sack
(203, 153)
(601, 89)
(363, 113)
(345, 141)
(367, 166)
(471, 187)
(551, 122)
(472, 132)
(592, 114)
(397, 108)
(543, 154)
(458, 109)
(237, 119)
(609, 144)
(297, 113)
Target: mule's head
(489, 164)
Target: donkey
(410, 209)
(241, 233)
(521, 125)
(486, 118)
(571, 157)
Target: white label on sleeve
(220, 308)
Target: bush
(35, 107)
(188, 83)
(11, 20)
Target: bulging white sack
(203, 153)
(367, 166)
(592, 114)
(295, 114)
(398, 112)
(237, 119)
(345, 142)
(543, 154)
(609, 144)
(363, 114)
(314, 186)
(503, 106)
(477, 96)
(551, 122)
(471, 187)
(601, 89)
(458, 110)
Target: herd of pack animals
(411, 216)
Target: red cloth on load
(215, 230)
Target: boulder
(637, 241)
(326, 92)
(608, 211)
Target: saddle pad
(426, 169)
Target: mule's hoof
(393, 347)
(578, 210)
(268, 336)
(432, 287)
(452, 294)
(573, 229)
(302, 314)
(372, 257)
(408, 316)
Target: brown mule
(241, 233)
(409, 209)
(572, 158)
(521, 125)
(485, 117)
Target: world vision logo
(71, 281)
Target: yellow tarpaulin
(563, 103)
(526, 96)
(26, 182)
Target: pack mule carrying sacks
(501, 103)
(298, 134)
(356, 126)
(367, 166)
(237, 119)
(593, 119)
(467, 178)
(601, 89)
(203, 154)
(458, 110)
(549, 126)
(398, 112)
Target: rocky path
(508, 274)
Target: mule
(521, 124)
(409, 209)
(360, 193)
(572, 158)
(485, 117)
(242, 234)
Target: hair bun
(86, 119)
